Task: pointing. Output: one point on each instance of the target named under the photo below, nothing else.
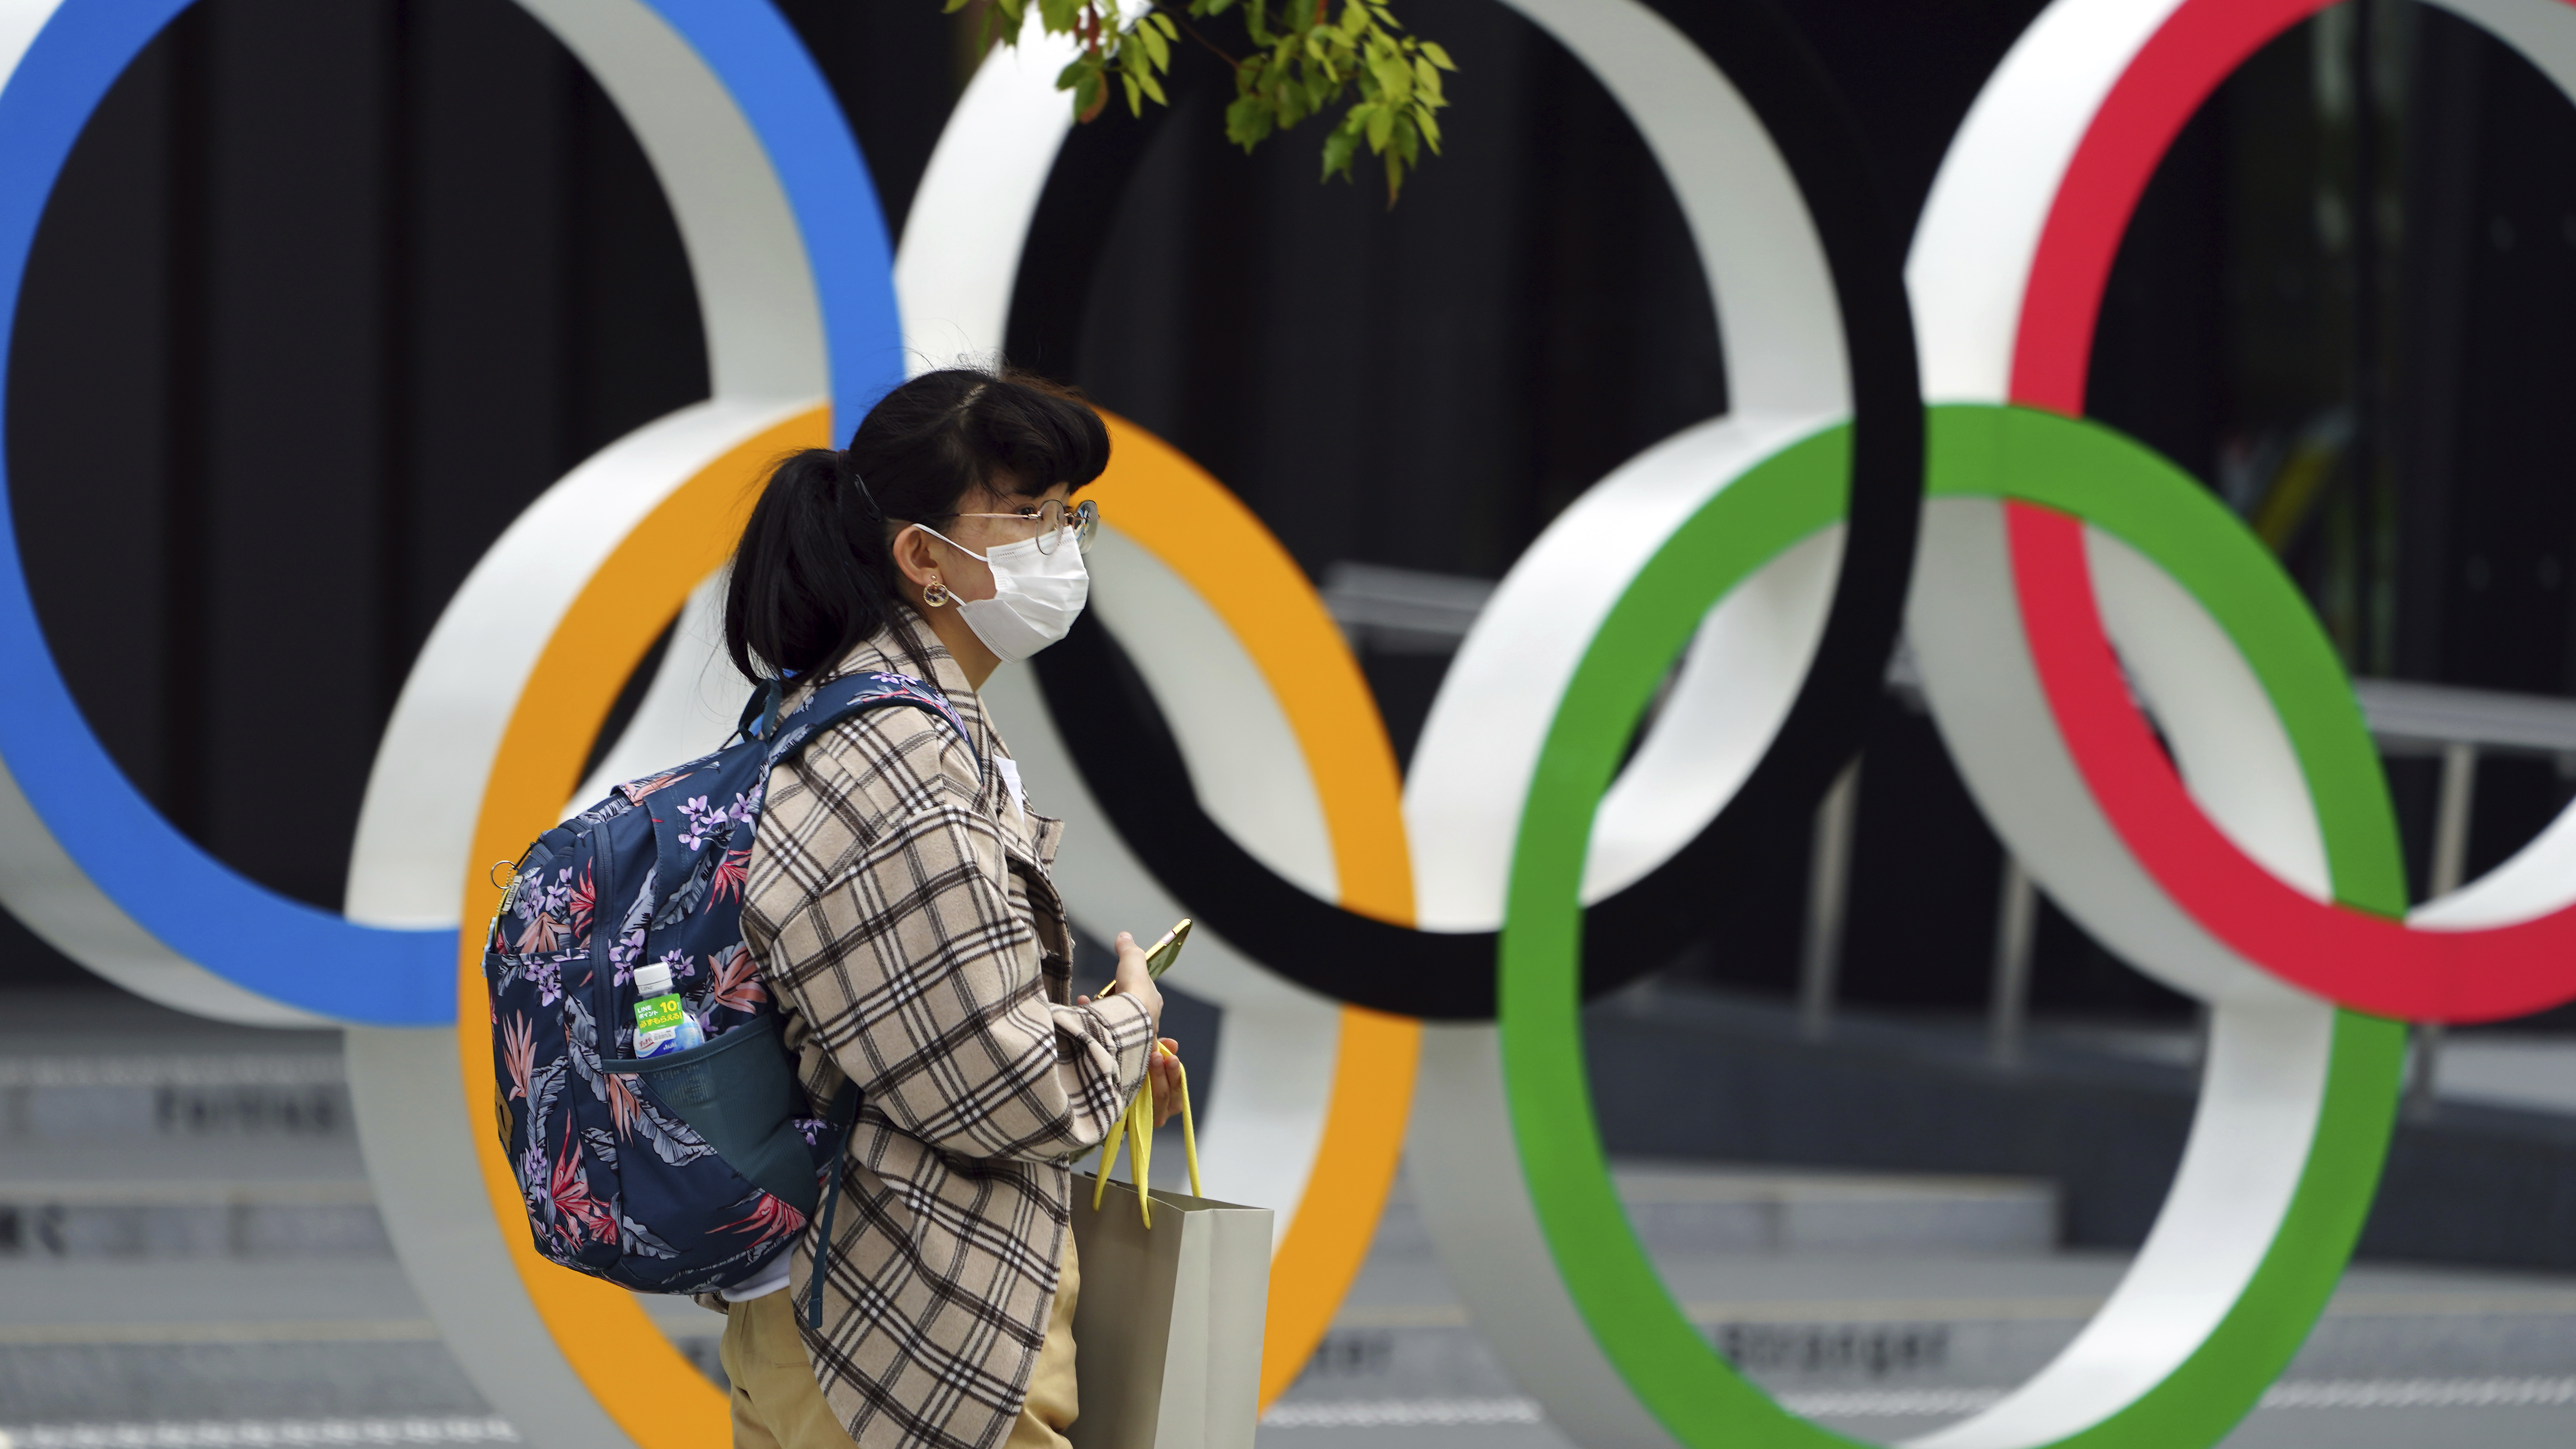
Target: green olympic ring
(1975, 451)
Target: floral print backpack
(692, 1171)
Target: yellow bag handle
(1137, 1126)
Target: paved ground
(186, 1236)
(93, 1342)
(1897, 1336)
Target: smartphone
(1161, 956)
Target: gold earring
(934, 593)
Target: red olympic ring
(2355, 958)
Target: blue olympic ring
(199, 907)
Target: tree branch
(1213, 49)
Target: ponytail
(812, 579)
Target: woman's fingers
(1165, 1064)
(1134, 980)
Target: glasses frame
(1083, 518)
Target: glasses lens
(1053, 518)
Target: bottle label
(657, 1024)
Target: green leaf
(1247, 122)
(1394, 79)
(1338, 149)
(1305, 60)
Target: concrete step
(85, 1097)
(2492, 1413)
(261, 1433)
(101, 1341)
(237, 1198)
(72, 1382)
(1698, 1208)
(190, 1219)
(1806, 1325)
(89, 1340)
(255, 1197)
(2104, 1115)
(1731, 1208)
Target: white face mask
(1036, 596)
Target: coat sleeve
(917, 964)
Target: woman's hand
(1164, 1066)
(1133, 980)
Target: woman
(900, 907)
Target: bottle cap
(653, 980)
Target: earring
(934, 593)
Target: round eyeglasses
(1053, 516)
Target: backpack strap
(761, 712)
(685, 866)
(844, 1118)
(835, 700)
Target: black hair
(813, 577)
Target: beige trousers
(777, 1405)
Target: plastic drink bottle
(662, 1021)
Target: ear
(915, 557)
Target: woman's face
(967, 576)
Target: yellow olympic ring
(1155, 495)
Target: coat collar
(906, 646)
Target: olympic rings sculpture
(1764, 552)
(2261, 875)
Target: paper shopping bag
(1167, 1330)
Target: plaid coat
(900, 907)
